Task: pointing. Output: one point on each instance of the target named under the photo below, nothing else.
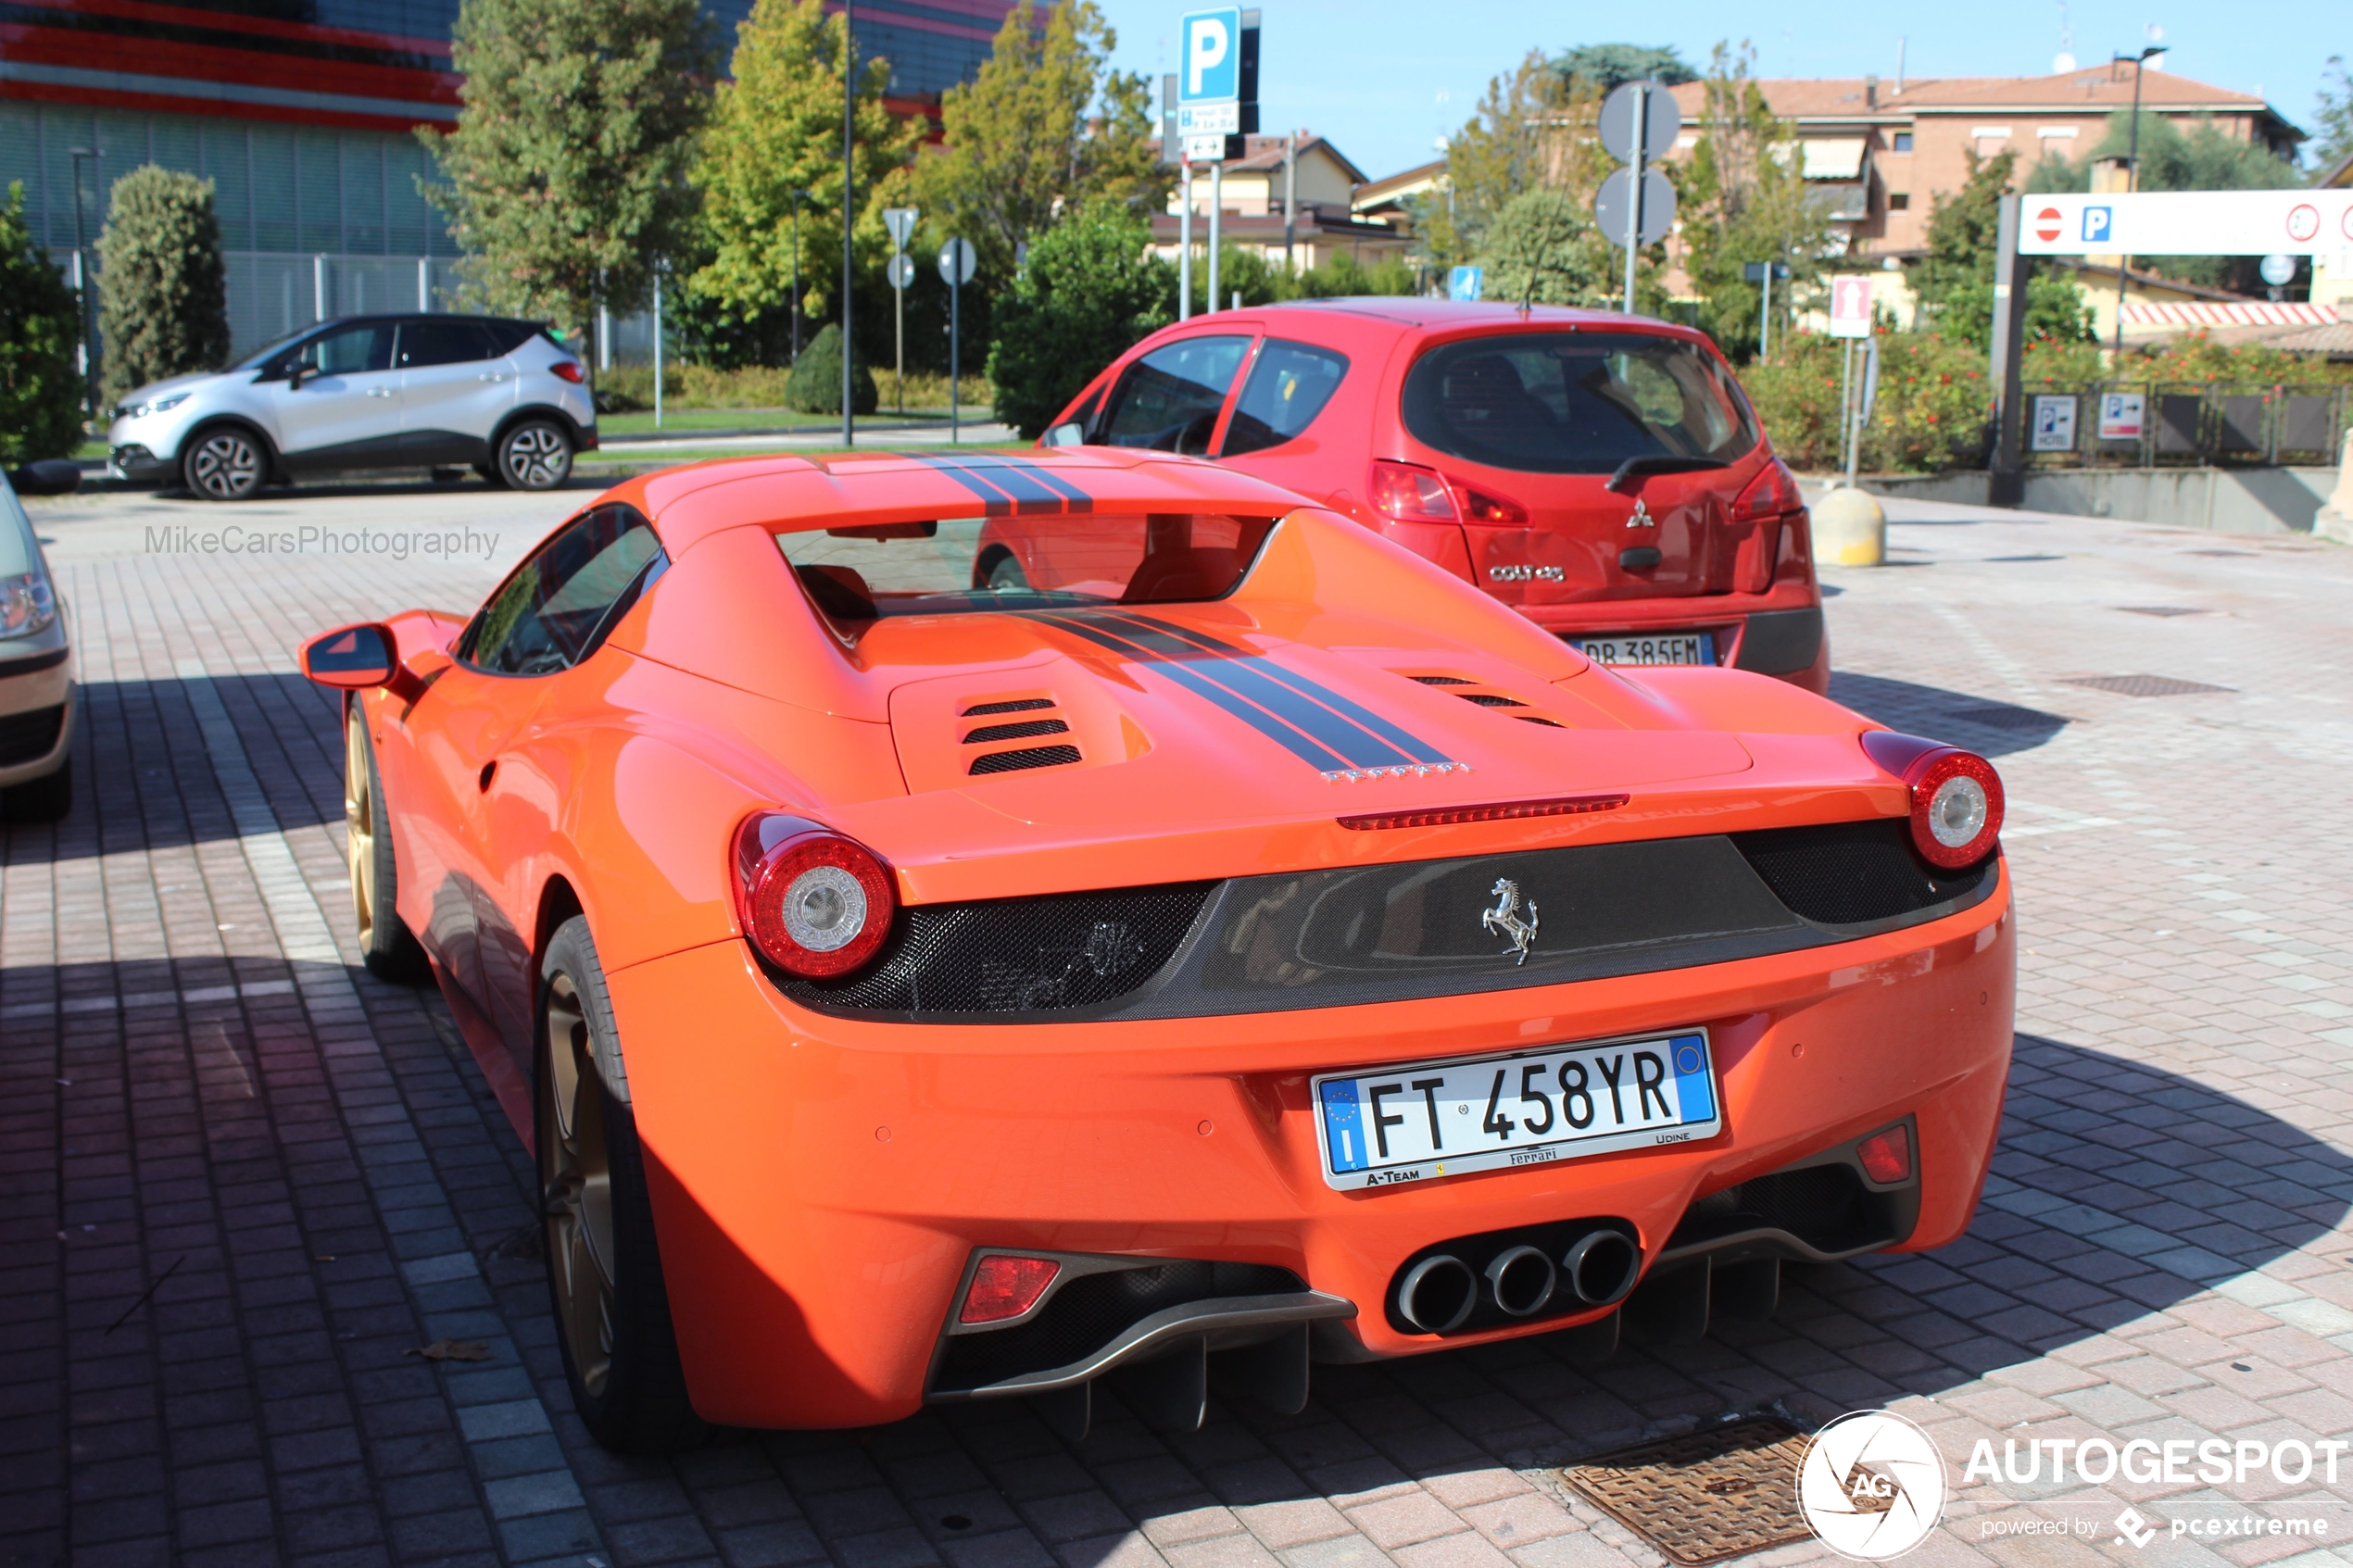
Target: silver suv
(446, 392)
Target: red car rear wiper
(1633, 468)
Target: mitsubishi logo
(1642, 516)
(1504, 920)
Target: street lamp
(2133, 164)
(798, 197)
(81, 282)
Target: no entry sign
(2189, 223)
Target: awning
(1834, 157)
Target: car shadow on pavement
(1986, 725)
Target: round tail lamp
(1957, 796)
(814, 903)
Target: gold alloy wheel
(575, 1177)
(360, 827)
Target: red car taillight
(1410, 493)
(569, 369)
(1887, 1155)
(1957, 796)
(814, 903)
(1006, 1288)
(1771, 493)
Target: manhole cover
(2159, 609)
(2003, 717)
(2143, 686)
(1705, 1496)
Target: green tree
(1544, 248)
(1954, 281)
(2333, 113)
(815, 386)
(1522, 138)
(1091, 288)
(565, 178)
(40, 329)
(776, 129)
(1600, 67)
(1045, 126)
(1743, 199)
(163, 296)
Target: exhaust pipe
(1519, 1281)
(1602, 1267)
(1438, 1293)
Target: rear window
(1574, 402)
(1169, 399)
(968, 566)
(1287, 387)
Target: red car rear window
(1559, 402)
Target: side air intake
(1027, 756)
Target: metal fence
(2161, 425)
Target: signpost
(956, 263)
(1217, 110)
(1636, 206)
(2120, 416)
(1465, 283)
(901, 222)
(1850, 306)
(1763, 273)
(2054, 422)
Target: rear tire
(386, 945)
(604, 1266)
(43, 799)
(224, 463)
(534, 455)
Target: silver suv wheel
(223, 465)
(535, 455)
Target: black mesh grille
(27, 737)
(1028, 756)
(1089, 1313)
(1488, 699)
(1020, 955)
(1531, 718)
(1024, 729)
(1026, 704)
(1852, 874)
(1444, 681)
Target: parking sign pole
(1634, 188)
(955, 349)
(1216, 201)
(1185, 242)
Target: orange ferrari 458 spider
(1236, 943)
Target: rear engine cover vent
(1485, 696)
(1025, 729)
(1444, 680)
(1488, 699)
(1026, 704)
(1026, 757)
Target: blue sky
(1383, 78)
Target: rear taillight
(1771, 493)
(568, 370)
(1957, 796)
(1006, 1288)
(1411, 494)
(1887, 1155)
(814, 903)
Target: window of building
(1899, 201)
(1903, 140)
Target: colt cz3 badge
(1505, 918)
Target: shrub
(164, 297)
(40, 325)
(814, 385)
(1090, 290)
(1931, 412)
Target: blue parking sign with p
(2097, 220)
(1213, 57)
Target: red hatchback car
(1601, 474)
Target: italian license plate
(1431, 1118)
(1674, 647)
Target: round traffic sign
(2277, 269)
(1662, 120)
(2047, 224)
(1610, 213)
(902, 271)
(957, 261)
(2303, 222)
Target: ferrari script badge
(1641, 516)
(1505, 918)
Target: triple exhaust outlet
(1439, 1294)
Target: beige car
(38, 697)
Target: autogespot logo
(1871, 1486)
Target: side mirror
(300, 373)
(352, 657)
(1070, 435)
(50, 476)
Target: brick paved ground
(244, 1180)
